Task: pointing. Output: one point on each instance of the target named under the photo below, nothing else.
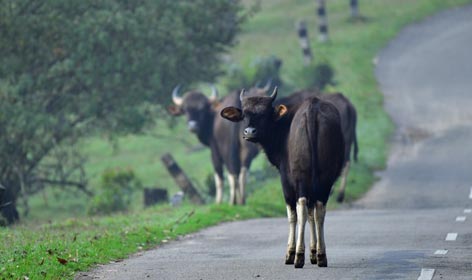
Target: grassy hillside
(83, 241)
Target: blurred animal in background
(224, 138)
(306, 144)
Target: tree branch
(79, 185)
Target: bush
(115, 192)
(262, 70)
(315, 76)
(236, 78)
(267, 68)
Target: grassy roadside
(58, 250)
(37, 252)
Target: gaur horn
(175, 96)
(241, 95)
(214, 93)
(274, 94)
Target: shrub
(315, 76)
(115, 191)
(236, 78)
(267, 68)
(262, 70)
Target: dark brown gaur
(348, 115)
(305, 142)
(227, 147)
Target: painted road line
(426, 274)
(460, 219)
(440, 252)
(452, 236)
(470, 194)
(467, 211)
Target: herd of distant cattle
(307, 136)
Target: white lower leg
(219, 189)
(232, 189)
(301, 220)
(242, 185)
(320, 246)
(311, 224)
(292, 220)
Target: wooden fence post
(304, 42)
(354, 8)
(322, 21)
(181, 179)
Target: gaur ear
(232, 114)
(174, 110)
(280, 111)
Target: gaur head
(196, 106)
(258, 113)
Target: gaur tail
(312, 136)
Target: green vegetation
(315, 76)
(115, 193)
(262, 70)
(37, 251)
(58, 250)
(70, 70)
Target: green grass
(36, 252)
(57, 226)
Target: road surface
(413, 224)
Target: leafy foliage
(71, 68)
(262, 70)
(268, 69)
(115, 193)
(316, 76)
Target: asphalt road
(396, 230)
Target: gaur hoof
(313, 257)
(290, 257)
(322, 260)
(340, 197)
(299, 260)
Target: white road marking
(452, 236)
(426, 274)
(470, 194)
(467, 211)
(460, 219)
(440, 252)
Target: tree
(72, 68)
